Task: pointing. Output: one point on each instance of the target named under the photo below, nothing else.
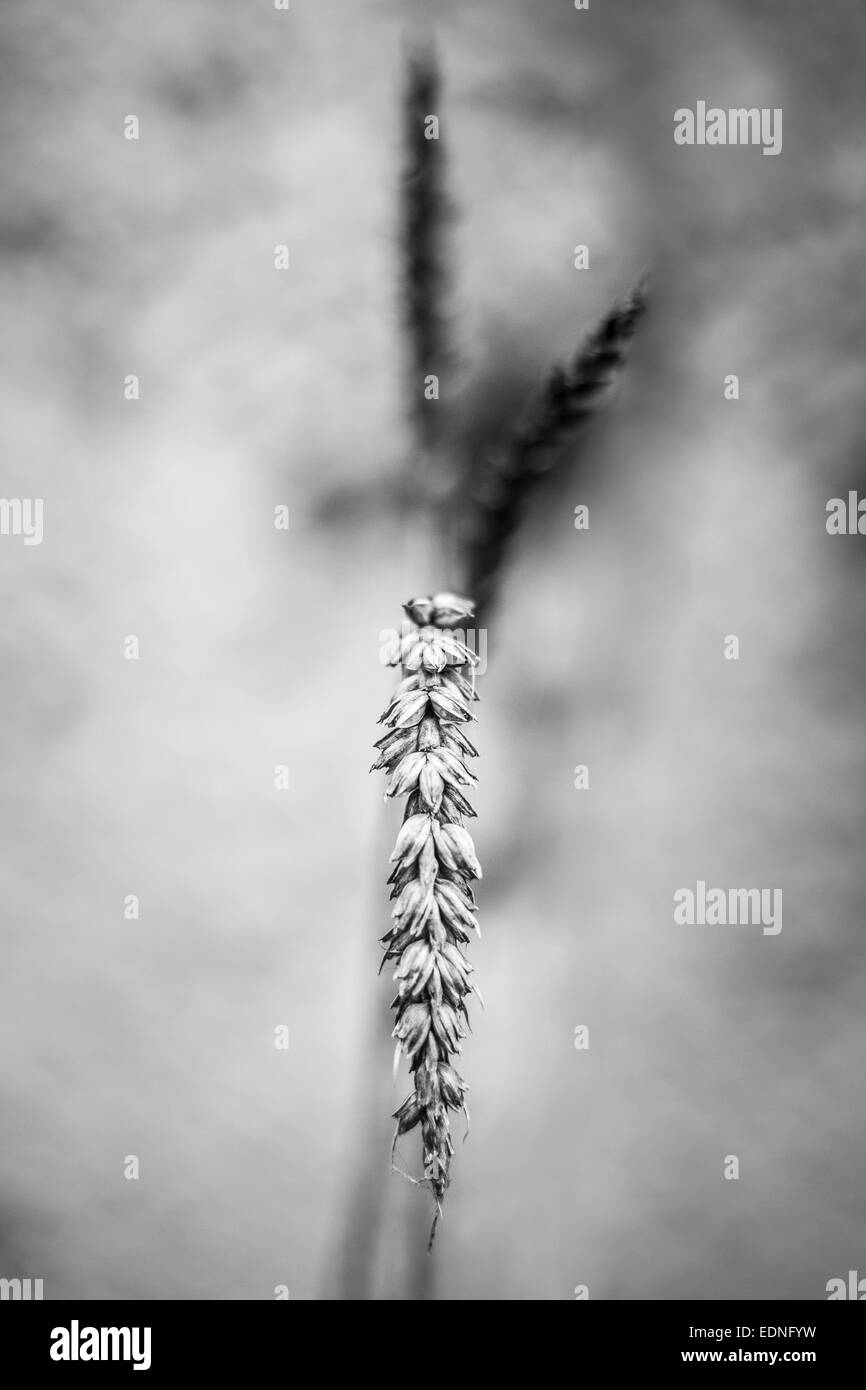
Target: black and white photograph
(433, 701)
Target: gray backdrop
(155, 1037)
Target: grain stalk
(497, 497)
(424, 753)
(468, 519)
(425, 215)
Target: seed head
(424, 754)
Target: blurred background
(261, 907)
